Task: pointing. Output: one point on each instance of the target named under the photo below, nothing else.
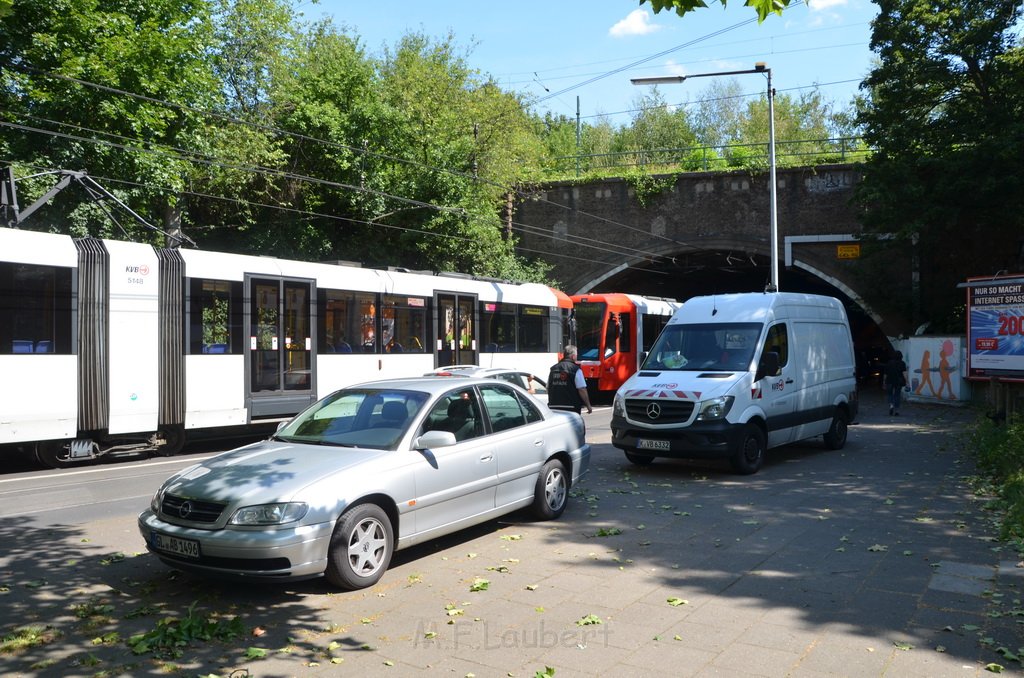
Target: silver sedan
(364, 472)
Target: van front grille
(660, 411)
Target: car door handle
(538, 442)
(789, 381)
(487, 457)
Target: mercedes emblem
(653, 411)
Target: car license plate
(654, 445)
(188, 548)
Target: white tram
(110, 347)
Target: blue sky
(548, 50)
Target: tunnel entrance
(721, 272)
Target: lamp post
(759, 67)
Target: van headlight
(269, 514)
(715, 408)
(618, 405)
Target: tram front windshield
(589, 318)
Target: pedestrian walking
(895, 380)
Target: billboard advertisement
(995, 328)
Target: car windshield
(373, 418)
(704, 347)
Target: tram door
(280, 346)
(455, 329)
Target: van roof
(759, 307)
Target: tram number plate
(654, 445)
(189, 548)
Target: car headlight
(269, 514)
(715, 408)
(619, 405)
(154, 503)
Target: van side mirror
(768, 366)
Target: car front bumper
(269, 554)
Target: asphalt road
(876, 560)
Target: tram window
(215, 316)
(533, 329)
(403, 324)
(652, 326)
(35, 309)
(497, 327)
(625, 336)
(348, 322)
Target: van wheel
(551, 493)
(639, 459)
(361, 548)
(750, 455)
(835, 438)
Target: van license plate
(189, 548)
(654, 445)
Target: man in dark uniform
(567, 388)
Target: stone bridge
(700, 233)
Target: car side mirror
(432, 439)
(768, 366)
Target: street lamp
(759, 67)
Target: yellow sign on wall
(848, 251)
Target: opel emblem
(653, 411)
(185, 510)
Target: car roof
(430, 383)
(471, 370)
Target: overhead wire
(789, 34)
(366, 151)
(583, 242)
(191, 155)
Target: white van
(732, 375)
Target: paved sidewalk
(872, 561)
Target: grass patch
(25, 637)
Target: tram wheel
(52, 453)
(174, 440)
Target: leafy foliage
(999, 451)
(172, 634)
(682, 7)
(944, 115)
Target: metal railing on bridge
(722, 157)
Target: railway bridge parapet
(716, 222)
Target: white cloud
(637, 22)
(821, 5)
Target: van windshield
(705, 347)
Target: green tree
(465, 143)
(946, 120)
(802, 125)
(656, 127)
(155, 49)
